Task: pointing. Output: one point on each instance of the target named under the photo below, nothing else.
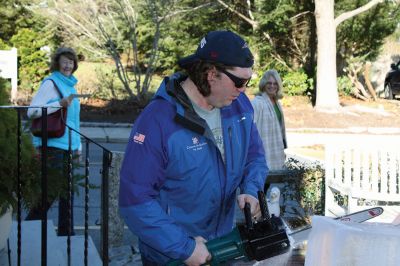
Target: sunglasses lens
(239, 82)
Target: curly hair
(198, 74)
(68, 53)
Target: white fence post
(9, 69)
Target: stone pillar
(116, 224)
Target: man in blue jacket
(189, 151)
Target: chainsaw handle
(263, 205)
(247, 216)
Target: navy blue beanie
(223, 47)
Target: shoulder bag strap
(57, 89)
(64, 110)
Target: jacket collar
(172, 91)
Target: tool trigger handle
(247, 216)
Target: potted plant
(30, 188)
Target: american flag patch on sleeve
(138, 138)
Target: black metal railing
(106, 164)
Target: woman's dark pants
(57, 159)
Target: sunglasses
(239, 82)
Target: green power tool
(250, 241)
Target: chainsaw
(265, 238)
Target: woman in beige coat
(268, 116)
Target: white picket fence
(361, 175)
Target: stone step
(56, 246)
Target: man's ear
(212, 74)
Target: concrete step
(31, 244)
(77, 250)
(56, 247)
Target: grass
(89, 80)
(316, 151)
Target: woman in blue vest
(57, 91)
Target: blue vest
(66, 86)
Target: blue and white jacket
(174, 184)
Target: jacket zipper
(231, 145)
(221, 201)
(226, 160)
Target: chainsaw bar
(301, 235)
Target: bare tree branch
(356, 11)
(273, 54)
(248, 2)
(182, 11)
(253, 23)
(299, 15)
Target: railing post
(69, 198)
(104, 207)
(86, 202)
(44, 186)
(19, 186)
(116, 228)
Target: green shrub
(8, 158)
(3, 45)
(310, 186)
(296, 83)
(344, 85)
(32, 62)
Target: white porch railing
(359, 175)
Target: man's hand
(200, 254)
(242, 199)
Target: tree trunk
(312, 50)
(327, 94)
(368, 81)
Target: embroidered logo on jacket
(138, 138)
(196, 144)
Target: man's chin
(227, 103)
